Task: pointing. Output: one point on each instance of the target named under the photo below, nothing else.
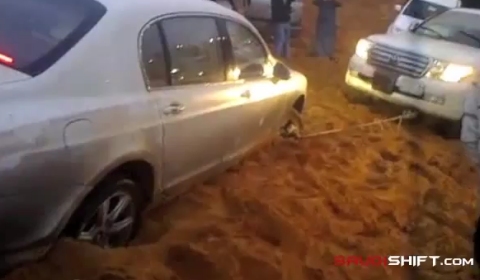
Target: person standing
(470, 137)
(470, 133)
(281, 10)
(326, 28)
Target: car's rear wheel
(110, 217)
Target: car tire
(355, 96)
(293, 128)
(450, 129)
(111, 215)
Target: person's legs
(472, 152)
(329, 37)
(318, 43)
(278, 38)
(286, 42)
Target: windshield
(457, 27)
(34, 34)
(422, 9)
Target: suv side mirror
(413, 26)
(281, 71)
(398, 8)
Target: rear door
(194, 100)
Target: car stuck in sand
(431, 67)
(120, 104)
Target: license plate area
(384, 81)
(411, 87)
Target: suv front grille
(403, 62)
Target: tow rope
(291, 131)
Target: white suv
(431, 67)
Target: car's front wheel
(355, 96)
(450, 129)
(110, 217)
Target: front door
(194, 105)
(260, 111)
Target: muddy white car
(430, 67)
(110, 105)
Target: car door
(260, 112)
(193, 102)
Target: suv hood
(8, 75)
(433, 48)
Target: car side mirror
(254, 70)
(398, 8)
(281, 71)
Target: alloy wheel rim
(111, 224)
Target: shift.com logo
(400, 261)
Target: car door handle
(245, 94)
(174, 108)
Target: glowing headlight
(449, 72)
(363, 46)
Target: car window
(153, 57)
(423, 9)
(247, 48)
(34, 34)
(196, 56)
(457, 27)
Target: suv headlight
(449, 72)
(362, 48)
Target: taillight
(6, 59)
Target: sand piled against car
(288, 209)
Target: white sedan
(109, 105)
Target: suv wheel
(450, 129)
(356, 97)
(111, 216)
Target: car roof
(163, 7)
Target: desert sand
(289, 208)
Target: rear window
(34, 34)
(423, 9)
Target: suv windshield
(453, 26)
(422, 9)
(34, 34)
